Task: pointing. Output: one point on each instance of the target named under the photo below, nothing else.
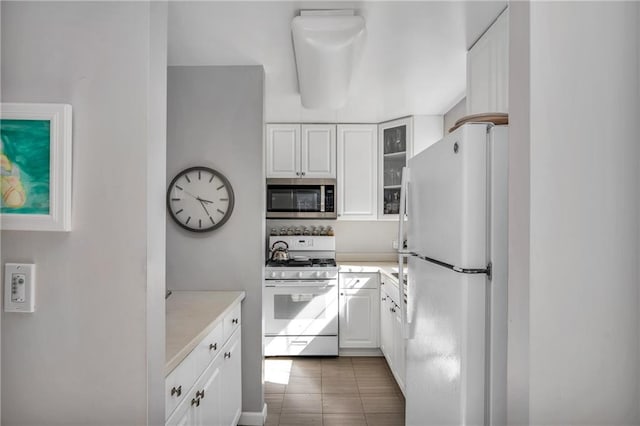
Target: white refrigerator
(456, 314)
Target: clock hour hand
(204, 207)
(202, 200)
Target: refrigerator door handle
(458, 269)
(402, 254)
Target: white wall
(519, 205)
(456, 112)
(82, 357)
(215, 119)
(583, 348)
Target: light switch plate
(19, 287)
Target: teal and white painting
(25, 167)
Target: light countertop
(386, 268)
(190, 316)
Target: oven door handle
(323, 284)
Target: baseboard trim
(253, 418)
(360, 352)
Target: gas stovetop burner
(292, 263)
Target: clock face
(200, 199)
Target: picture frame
(35, 167)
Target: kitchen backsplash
(355, 240)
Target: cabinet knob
(177, 391)
(384, 298)
(213, 346)
(200, 394)
(227, 354)
(234, 321)
(196, 402)
(341, 294)
(304, 173)
(297, 173)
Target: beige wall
(215, 120)
(580, 362)
(82, 357)
(456, 112)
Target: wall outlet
(19, 287)
(394, 244)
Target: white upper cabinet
(301, 151)
(396, 143)
(283, 150)
(357, 171)
(488, 69)
(318, 151)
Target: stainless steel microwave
(301, 198)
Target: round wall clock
(200, 199)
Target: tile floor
(344, 391)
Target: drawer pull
(234, 321)
(200, 394)
(227, 354)
(177, 391)
(196, 402)
(213, 346)
(299, 342)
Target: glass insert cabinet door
(396, 140)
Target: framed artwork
(35, 167)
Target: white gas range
(301, 298)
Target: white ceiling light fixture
(327, 45)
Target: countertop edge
(370, 267)
(191, 345)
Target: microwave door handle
(322, 198)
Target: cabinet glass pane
(395, 139)
(393, 169)
(391, 200)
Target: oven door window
(301, 306)
(300, 310)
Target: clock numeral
(179, 187)
(179, 211)
(187, 178)
(199, 223)
(224, 199)
(212, 176)
(176, 199)
(219, 188)
(220, 211)
(199, 176)
(188, 219)
(212, 221)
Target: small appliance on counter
(301, 297)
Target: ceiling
(414, 59)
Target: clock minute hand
(204, 207)
(204, 200)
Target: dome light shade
(327, 45)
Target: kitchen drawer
(301, 345)
(231, 321)
(359, 280)
(179, 382)
(210, 346)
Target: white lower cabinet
(231, 399)
(359, 315)
(207, 390)
(392, 341)
(386, 327)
